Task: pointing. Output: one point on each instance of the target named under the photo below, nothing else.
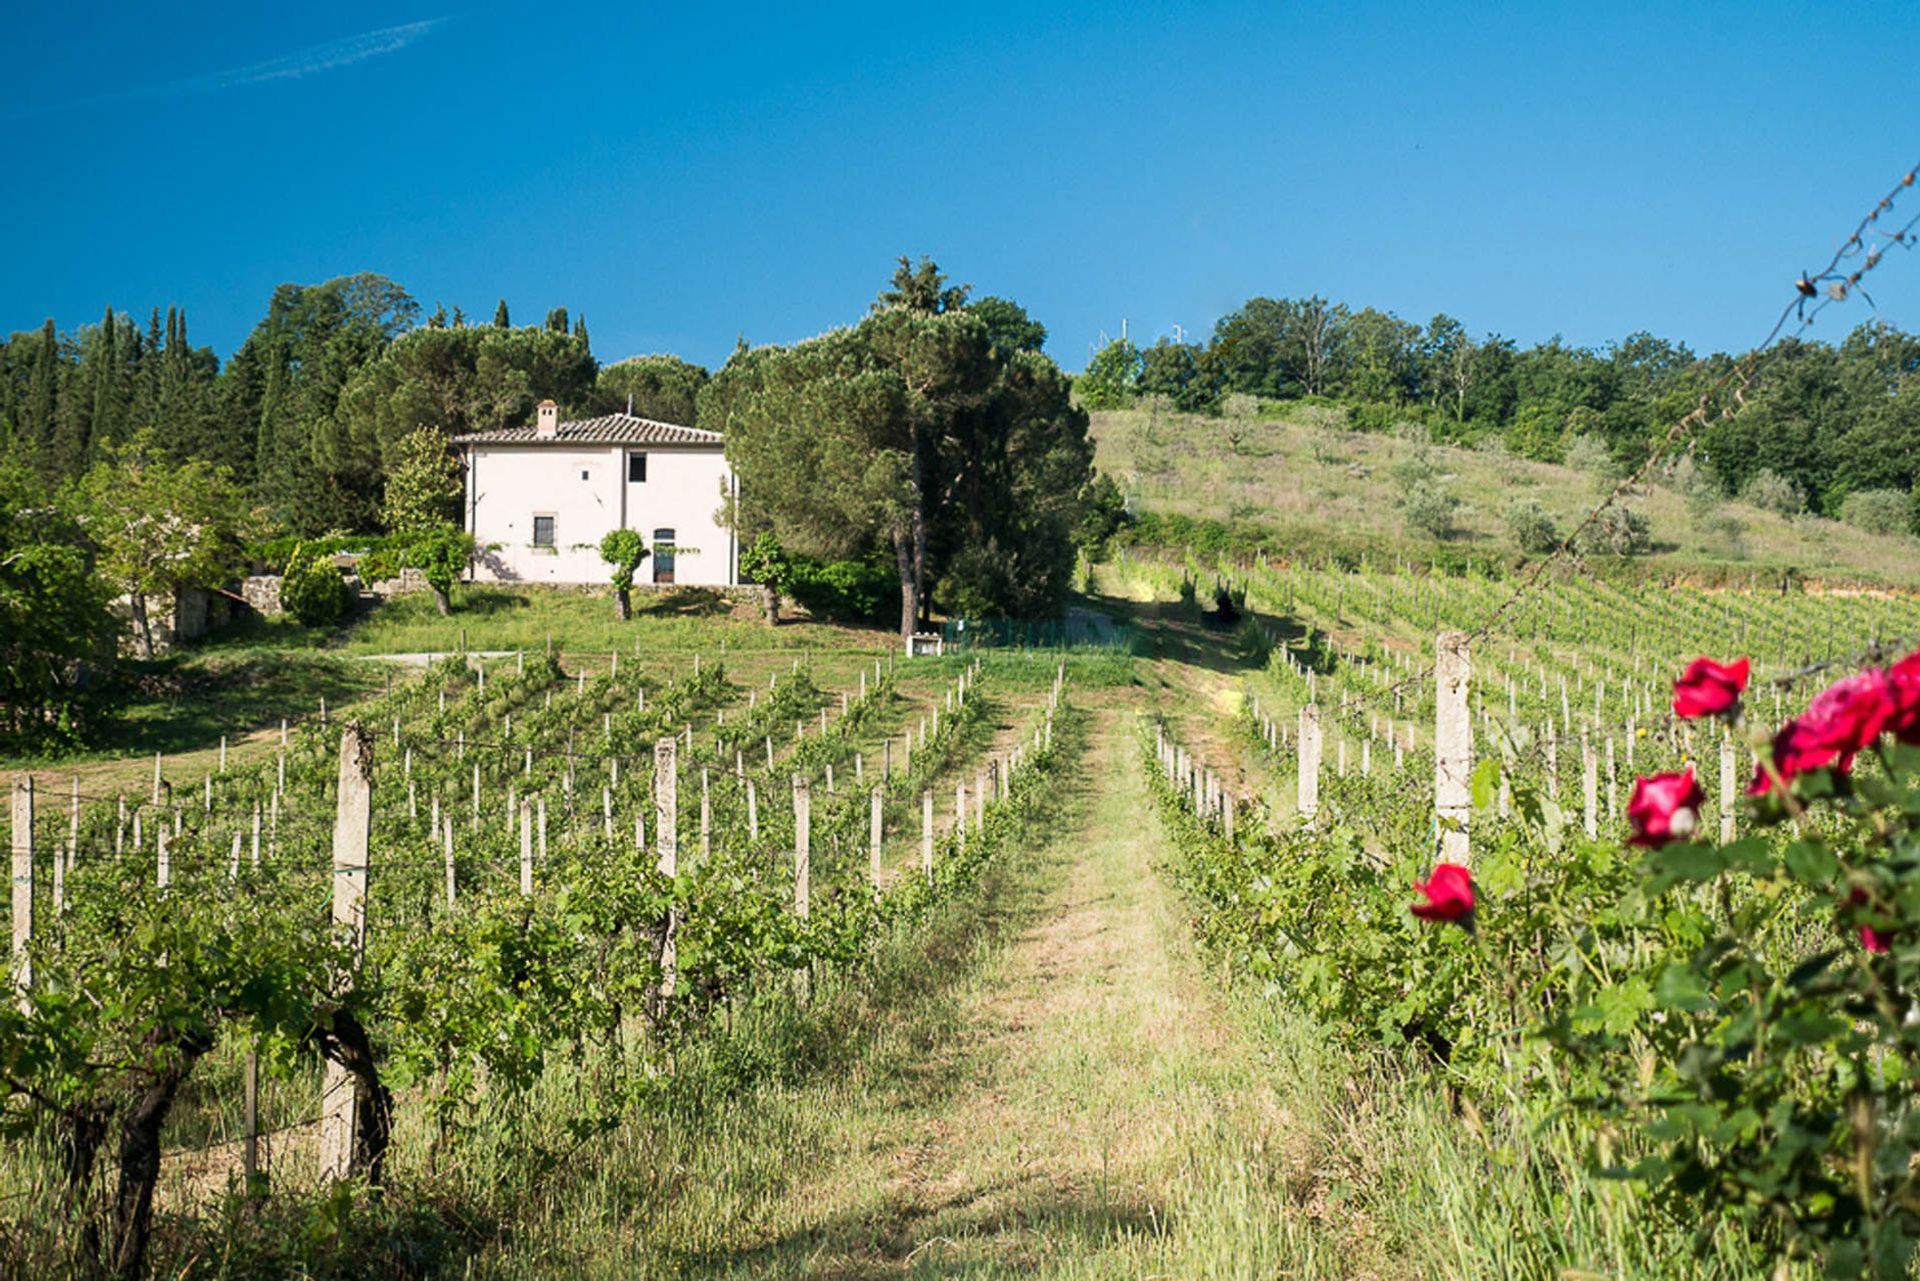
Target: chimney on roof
(547, 426)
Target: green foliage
(1111, 378)
(623, 549)
(1009, 327)
(158, 528)
(441, 554)
(765, 561)
(1619, 530)
(1532, 527)
(57, 637)
(312, 589)
(1771, 492)
(663, 388)
(1104, 513)
(1191, 377)
(912, 432)
(1878, 511)
(423, 483)
(1430, 507)
(848, 590)
(1590, 454)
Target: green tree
(453, 381)
(161, 528)
(912, 430)
(1192, 378)
(500, 320)
(623, 550)
(56, 632)
(922, 289)
(1009, 327)
(441, 553)
(424, 483)
(663, 388)
(765, 562)
(1111, 377)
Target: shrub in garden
(312, 590)
(1878, 511)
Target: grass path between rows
(1091, 1112)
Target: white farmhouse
(540, 498)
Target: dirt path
(1093, 1090)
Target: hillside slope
(1316, 485)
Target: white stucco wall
(507, 485)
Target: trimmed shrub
(312, 590)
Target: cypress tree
(500, 320)
(580, 332)
(43, 396)
(557, 320)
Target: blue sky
(686, 174)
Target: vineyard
(507, 882)
(554, 945)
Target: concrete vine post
(341, 1095)
(22, 887)
(926, 833)
(1452, 745)
(873, 838)
(1309, 755)
(802, 847)
(666, 839)
(1729, 786)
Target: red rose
(1448, 893)
(1708, 688)
(1796, 750)
(1842, 719)
(1665, 808)
(1903, 684)
(1870, 939)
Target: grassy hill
(1312, 484)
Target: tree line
(1833, 421)
(309, 414)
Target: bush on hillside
(1430, 508)
(1590, 454)
(1532, 527)
(312, 589)
(1768, 490)
(1878, 511)
(1618, 531)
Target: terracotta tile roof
(612, 429)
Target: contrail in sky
(292, 66)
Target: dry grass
(1305, 476)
